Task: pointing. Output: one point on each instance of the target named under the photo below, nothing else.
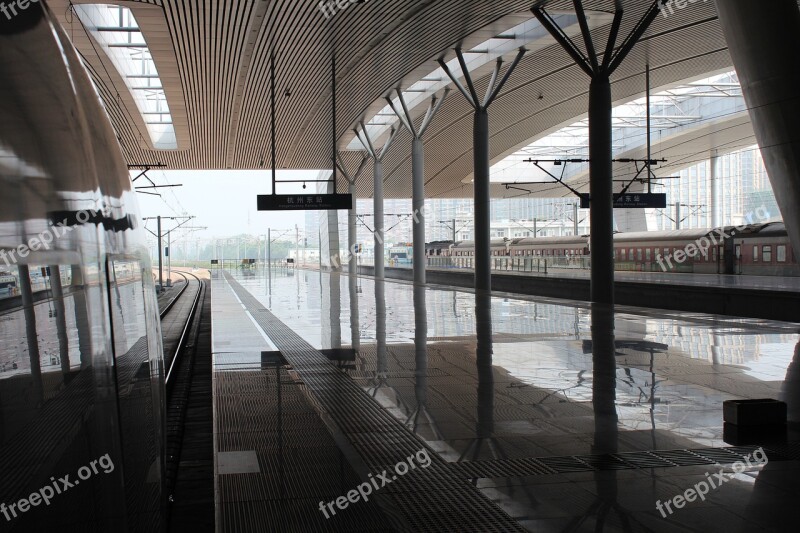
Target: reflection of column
(380, 327)
(605, 414)
(355, 332)
(483, 330)
(604, 380)
(790, 389)
(773, 473)
(81, 316)
(335, 309)
(717, 345)
(420, 347)
(30, 332)
(61, 319)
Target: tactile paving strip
(618, 461)
(449, 504)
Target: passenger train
(754, 249)
(81, 363)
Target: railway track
(193, 289)
(187, 358)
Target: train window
(755, 254)
(666, 252)
(648, 254)
(50, 357)
(639, 256)
(767, 254)
(738, 252)
(630, 254)
(781, 253)
(714, 254)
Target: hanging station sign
(304, 202)
(632, 201)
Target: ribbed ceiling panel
(222, 52)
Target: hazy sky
(224, 201)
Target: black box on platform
(744, 435)
(761, 412)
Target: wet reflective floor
(566, 418)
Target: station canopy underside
(213, 62)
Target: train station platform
(346, 404)
(766, 297)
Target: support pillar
(602, 192)
(600, 68)
(762, 40)
(482, 199)
(377, 203)
(630, 220)
(716, 208)
(352, 214)
(352, 233)
(417, 176)
(377, 194)
(418, 207)
(160, 258)
(575, 221)
(480, 148)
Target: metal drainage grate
(619, 461)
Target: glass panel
(781, 252)
(138, 387)
(56, 395)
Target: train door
(730, 255)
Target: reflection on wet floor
(502, 379)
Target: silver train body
(81, 364)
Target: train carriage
(82, 368)
(755, 249)
(655, 251)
